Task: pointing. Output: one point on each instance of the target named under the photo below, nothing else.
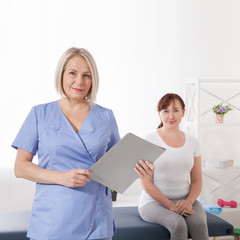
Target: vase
(114, 195)
(219, 118)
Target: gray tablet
(115, 168)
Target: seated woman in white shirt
(172, 185)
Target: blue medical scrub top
(63, 213)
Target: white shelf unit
(217, 140)
(200, 97)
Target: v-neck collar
(67, 121)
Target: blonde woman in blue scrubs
(69, 135)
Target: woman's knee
(178, 227)
(198, 223)
(197, 227)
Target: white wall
(143, 49)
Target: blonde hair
(67, 55)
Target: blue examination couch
(130, 226)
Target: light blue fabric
(58, 212)
(210, 207)
(90, 239)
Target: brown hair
(166, 100)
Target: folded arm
(25, 168)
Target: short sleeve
(27, 137)
(197, 152)
(115, 137)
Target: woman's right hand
(187, 213)
(144, 170)
(74, 178)
(25, 168)
(173, 207)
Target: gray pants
(177, 225)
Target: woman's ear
(183, 112)
(159, 114)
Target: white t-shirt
(172, 168)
